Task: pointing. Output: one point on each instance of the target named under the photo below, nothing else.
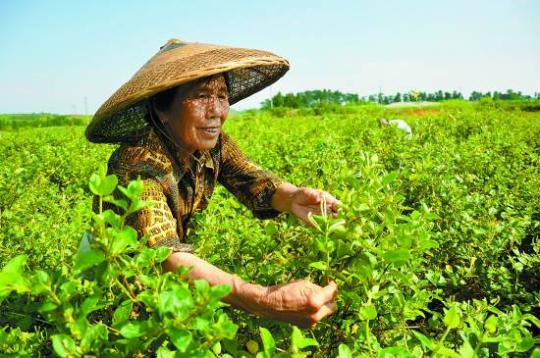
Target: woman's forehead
(215, 82)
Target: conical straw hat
(122, 117)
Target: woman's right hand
(299, 302)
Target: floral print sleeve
(251, 184)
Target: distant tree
(311, 98)
(475, 96)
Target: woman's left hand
(306, 200)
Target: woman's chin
(207, 144)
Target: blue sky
(56, 53)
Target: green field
(435, 251)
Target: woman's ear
(162, 116)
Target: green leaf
(368, 312)
(122, 313)
(270, 228)
(90, 304)
(452, 317)
(491, 324)
(137, 205)
(299, 341)
(102, 185)
(181, 338)
(344, 351)
(12, 279)
(267, 340)
(447, 352)
(389, 178)
(396, 256)
(201, 286)
(47, 306)
(424, 340)
(134, 189)
(220, 291)
(525, 344)
(121, 203)
(162, 253)
(112, 218)
(225, 326)
(87, 259)
(93, 337)
(319, 265)
(43, 277)
(216, 348)
(175, 300)
(126, 238)
(16, 264)
(63, 345)
(133, 329)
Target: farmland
(435, 250)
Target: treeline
(316, 98)
(25, 120)
(508, 96)
(310, 99)
(414, 96)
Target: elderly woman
(168, 119)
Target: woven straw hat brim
(122, 117)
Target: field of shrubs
(436, 249)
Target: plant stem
(438, 346)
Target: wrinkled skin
(300, 302)
(205, 104)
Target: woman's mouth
(211, 131)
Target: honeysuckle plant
(115, 300)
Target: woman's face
(197, 116)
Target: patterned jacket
(178, 190)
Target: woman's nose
(216, 106)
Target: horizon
(362, 99)
(67, 58)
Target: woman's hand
(306, 200)
(299, 302)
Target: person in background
(398, 123)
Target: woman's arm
(299, 302)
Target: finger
(330, 199)
(313, 195)
(325, 310)
(326, 294)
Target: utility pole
(85, 106)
